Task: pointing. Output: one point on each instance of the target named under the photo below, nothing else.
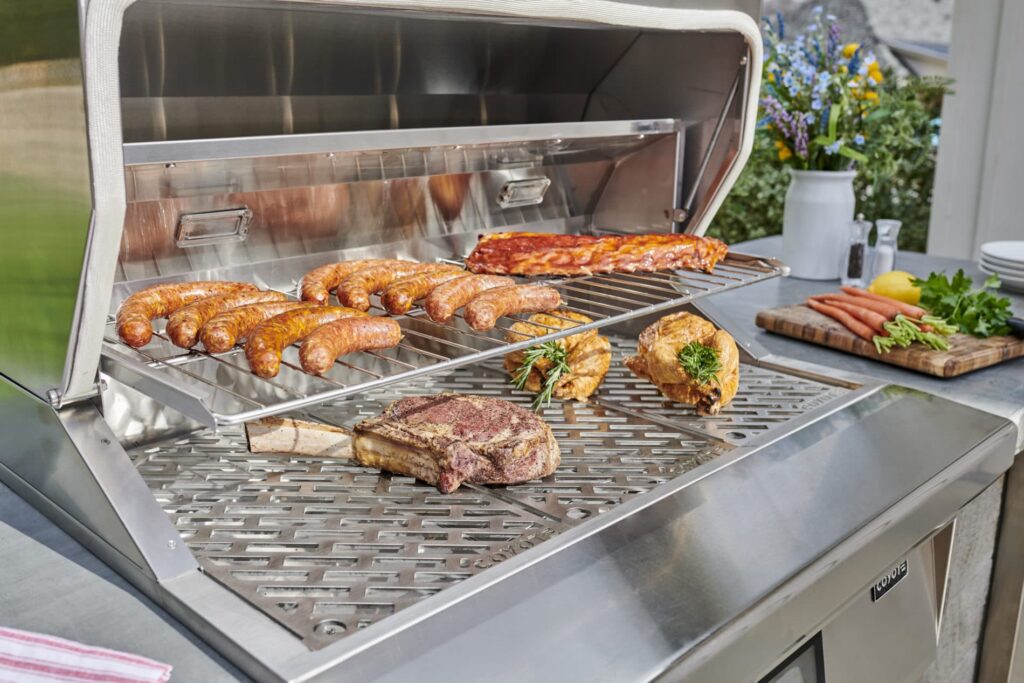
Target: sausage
(318, 283)
(355, 290)
(184, 324)
(135, 314)
(226, 329)
(449, 297)
(400, 295)
(484, 310)
(332, 340)
(269, 339)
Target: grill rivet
(170, 165)
(105, 441)
(172, 544)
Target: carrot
(887, 309)
(872, 319)
(905, 309)
(848, 321)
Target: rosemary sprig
(559, 358)
(700, 362)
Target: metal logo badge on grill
(886, 583)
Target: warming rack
(219, 389)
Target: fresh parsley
(978, 312)
(700, 362)
(559, 358)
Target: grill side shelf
(220, 390)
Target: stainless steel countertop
(998, 390)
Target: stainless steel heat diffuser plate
(326, 547)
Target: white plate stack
(1005, 259)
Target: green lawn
(32, 30)
(44, 235)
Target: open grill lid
(197, 101)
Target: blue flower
(858, 139)
(809, 117)
(817, 10)
(833, 148)
(935, 140)
(937, 121)
(830, 17)
(817, 104)
(782, 26)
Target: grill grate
(220, 390)
(326, 547)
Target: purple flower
(834, 36)
(800, 141)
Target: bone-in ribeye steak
(447, 439)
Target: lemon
(896, 285)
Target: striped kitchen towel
(33, 658)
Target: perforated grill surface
(326, 547)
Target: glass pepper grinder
(853, 269)
(885, 246)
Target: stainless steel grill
(327, 547)
(265, 139)
(220, 390)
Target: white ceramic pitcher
(819, 208)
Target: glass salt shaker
(885, 246)
(853, 269)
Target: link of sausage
(184, 324)
(135, 315)
(484, 310)
(226, 329)
(355, 290)
(449, 297)
(318, 283)
(332, 340)
(269, 339)
(400, 295)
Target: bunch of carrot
(882, 321)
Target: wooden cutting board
(966, 353)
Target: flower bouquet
(817, 96)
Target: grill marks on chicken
(588, 354)
(657, 359)
(448, 439)
(530, 253)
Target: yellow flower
(849, 49)
(784, 153)
(871, 96)
(779, 144)
(875, 73)
(771, 77)
(843, 69)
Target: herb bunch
(557, 355)
(700, 362)
(978, 312)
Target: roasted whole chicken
(587, 355)
(690, 361)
